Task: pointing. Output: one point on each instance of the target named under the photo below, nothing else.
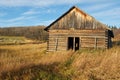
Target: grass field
(10, 40)
(16, 40)
(31, 62)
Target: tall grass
(31, 62)
(103, 65)
(15, 56)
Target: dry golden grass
(116, 38)
(100, 65)
(15, 56)
(31, 62)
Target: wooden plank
(77, 31)
(95, 42)
(59, 43)
(93, 36)
(79, 34)
(87, 39)
(58, 46)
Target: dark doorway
(77, 43)
(73, 43)
(70, 43)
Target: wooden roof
(78, 19)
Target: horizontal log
(54, 47)
(55, 31)
(55, 50)
(81, 37)
(87, 46)
(62, 43)
(76, 32)
(93, 42)
(59, 43)
(87, 43)
(93, 46)
(58, 38)
(88, 40)
(57, 46)
(100, 42)
(73, 34)
(54, 41)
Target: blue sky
(43, 12)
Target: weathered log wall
(58, 39)
(76, 23)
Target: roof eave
(46, 29)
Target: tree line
(31, 32)
(116, 29)
(36, 32)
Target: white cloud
(11, 24)
(30, 12)
(40, 3)
(108, 16)
(50, 11)
(46, 23)
(37, 11)
(14, 3)
(111, 12)
(104, 9)
(17, 19)
(98, 7)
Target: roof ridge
(81, 11)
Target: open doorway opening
(73, 43)
(77, 43)
(70, 43)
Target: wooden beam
(95, 42)
(56, 44)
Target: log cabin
(75, 30)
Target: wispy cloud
(45, 11)
(98, 7)
(31, 12)
(111, 12)
(109, 16)
(17, 19)
(40, 3)
(37, 11)
(14, 3)
(46, 23)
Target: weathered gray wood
(76, 23)
(77, 19)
